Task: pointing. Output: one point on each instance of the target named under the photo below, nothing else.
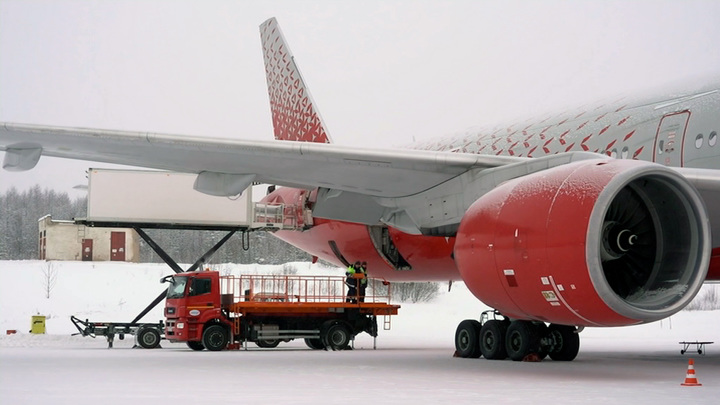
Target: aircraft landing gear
(466, 339)
(492, 339)
(498, 339)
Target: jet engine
(592, 243)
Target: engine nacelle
(592, 243)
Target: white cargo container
(157, 197)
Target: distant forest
(20, 211)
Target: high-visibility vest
(350, 274)
(364, 279)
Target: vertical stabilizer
(294, 115)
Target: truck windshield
(176, 289)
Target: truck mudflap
(147, 335)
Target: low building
(64, 240)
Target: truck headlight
(180, 325)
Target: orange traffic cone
(690, 379)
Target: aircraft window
(699, 141)
(661, 143)
(613, 154)
(712, 139)
(625, 152)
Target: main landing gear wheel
(215, 338)
(521, 340)
(492, 339)
(542, 333)
(467, 342)
(566, 342)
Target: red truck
(214, 312)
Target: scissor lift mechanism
(268, 217)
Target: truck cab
(193, 300)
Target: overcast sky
(381, 72)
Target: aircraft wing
(708, 185)
(229, 164)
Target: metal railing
(292, 288)
(278, 216)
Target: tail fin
(293, 109)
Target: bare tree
(50, 274)
(707, 300)
(407, 292)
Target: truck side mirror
(168, 279)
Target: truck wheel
(197, 346)
(315, 344)
(148, 338)
(268, 343)
(215, 338)
(337, 337)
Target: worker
(352, 282)
(363, 281)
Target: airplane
(601, 217)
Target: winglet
(294, 115)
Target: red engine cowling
(593, 243)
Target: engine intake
(592, 243)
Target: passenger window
(625, 152)
(712, 139)
(199, 286)
(613, 154)
(661, 145)
(699, 141)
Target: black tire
(543, 334)
(492, 340)
(467, 339)
(215, 338)
(567, 342)
(268, 343)
(148, 338)
(337, 336)
(197, 346)
(315, 344)
(521, 340)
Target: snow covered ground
(412, 365)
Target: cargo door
(87, 250)
(117, 246)
(670, 139)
